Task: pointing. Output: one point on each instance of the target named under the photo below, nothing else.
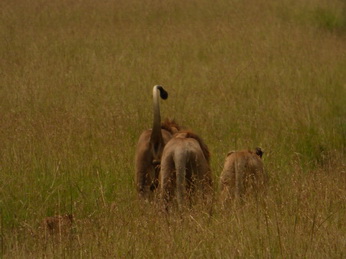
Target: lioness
(185, 165)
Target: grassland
(75, 93)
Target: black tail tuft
(259, 152)
(163, 93)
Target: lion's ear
(259, 152)
(174, 130)
(230, 152)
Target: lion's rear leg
(167, 181)
(189, 185)
(205, 182)
(180, 160)
(155, 182)
(142, 177)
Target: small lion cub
(243, 170)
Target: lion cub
(243, 170)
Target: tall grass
(75, 84)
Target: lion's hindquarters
(174, 171)
(183, 161)
(242, 171)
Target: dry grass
(75, 84)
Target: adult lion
(150, 146)
(185, 165)
(242, 170)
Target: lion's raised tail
(156, 135)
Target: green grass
(75, 90)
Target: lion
(242, 170)
(57, 225)
(150, 146)
(185, 165)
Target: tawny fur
(243, 170)
(150, 146)
(60, 224)
(185, 167)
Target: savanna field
(76, 82)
